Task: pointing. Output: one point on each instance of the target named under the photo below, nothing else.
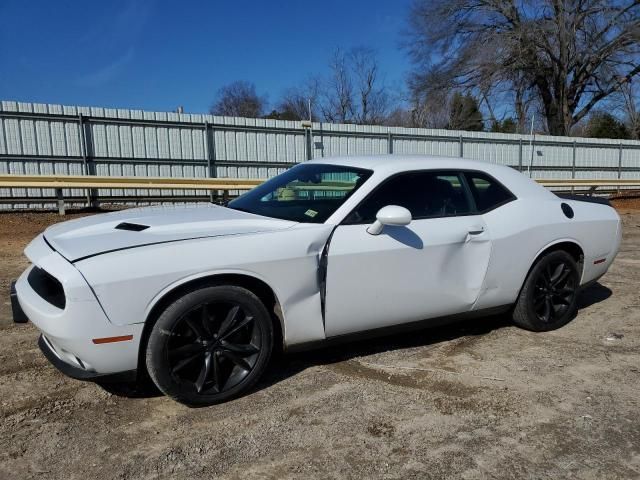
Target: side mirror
(390, 215)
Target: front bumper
(16, 310)
(79, 373)
(71, 334)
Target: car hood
(93, 235)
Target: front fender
(212, 274)
(130, 282)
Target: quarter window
(487, 192)
(425, 194)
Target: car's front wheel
(548, 299)
(210, 345)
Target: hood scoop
(131, 227)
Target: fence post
(573, 165)
(210, 146)
(619, 165)
(520, 155)
(60, 201)
(461, 146)
(87, 159)
(389, 142)
(308, 138)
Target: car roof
(400, 163)
(386, 165)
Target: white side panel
(521, 230)
(428, 269)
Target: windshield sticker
(310, 213)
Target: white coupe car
(199, 296)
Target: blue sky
(158, 54)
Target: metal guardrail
(590, 183)
(85, 181)
(581, 182)
(60, 182)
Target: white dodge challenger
(197, 297)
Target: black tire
(548, 299)
(210, 346)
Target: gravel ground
(480, 399)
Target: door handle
(473, 232)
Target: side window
(487, 192)
(424, 194)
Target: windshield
(308, 193)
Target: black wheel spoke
(196, 328)
(188, 350)
(561, 300)
(207, 319)
(216, 372)
(548, 310)
(243, 350)
(185, 361)
(229, 320)
(559, 280)
(242, 324)
(239, 361)
(204, 372)
(556, 273)
(539, 295)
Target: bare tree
(429, 106)
(567, 54)
(372, 101)
(429, 111)
(354, 91)
(337, 101)
(399, 117)
(239, 99)
(295, 102)
(631, 108)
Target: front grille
(47, 287)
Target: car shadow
(143, 388)
(286, 365)
(593, 294)
(404, 235)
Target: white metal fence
(47, 139)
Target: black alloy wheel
(555, 290)
(549, 296)
(210, 345)
(214, 346)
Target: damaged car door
(428, 265)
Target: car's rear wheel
(210, 345)
(549, 296)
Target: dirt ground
(481, 399)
